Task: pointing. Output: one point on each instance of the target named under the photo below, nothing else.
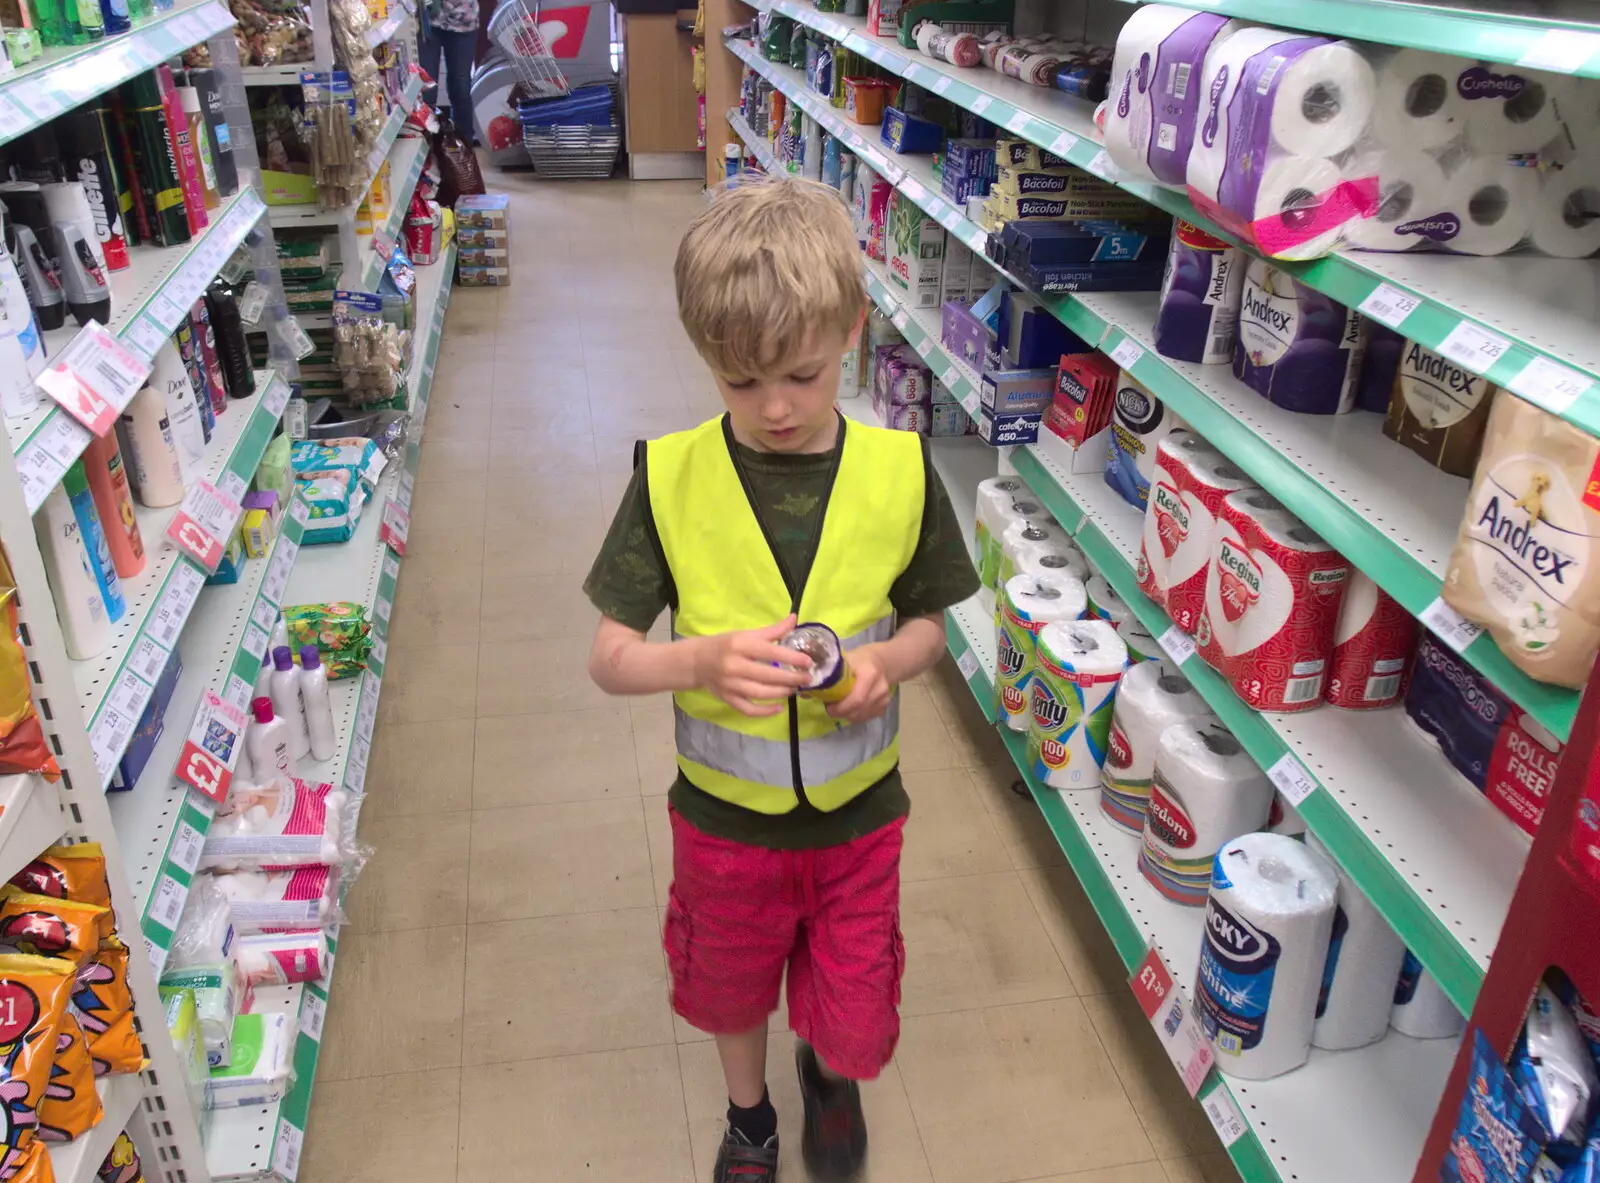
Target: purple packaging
(1198, 317)
(1159, 127)
(902, 378)
(915, 418)
(1297, 347)
(964, 334)
(1378, 367)
(1459, 709)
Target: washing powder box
(1012, 392)
(914, 244)
(1051, 244)
(1005, 431)
(489, 211)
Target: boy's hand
(871, 694)
(739, 668)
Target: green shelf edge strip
(1341, 276)
(1428, 937)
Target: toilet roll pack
(1077, 667)
(1273, 590)
(1299, 348)
(1199, 311)
(1438, 409)
(1190, 482)
(1153, 696)
(1027, 604)
(1372, 648)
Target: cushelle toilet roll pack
(1299, 145)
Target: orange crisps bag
(75, 873)
(122, 1163)
(103, 1005)
(59, 928)
(33, 997)
(22, 743)
(36, 1166)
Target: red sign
(203, 524)
(94, 378)
(1164, 1005)
(211, 748)
(396, 525)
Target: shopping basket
(573, 137)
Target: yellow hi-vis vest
(728, 577)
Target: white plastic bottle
(285, 693)
(319, 710)
(269, 742)
(263, 686)
(280, 635)
(85, 627)
(170, 379)
(148, 447)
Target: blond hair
(768, 264)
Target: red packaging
(1522, 770)
(1273, 590)
(1372, 648)
(200, 316)
(1086, 388)
(1190, 482)
(183, 152)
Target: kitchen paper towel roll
(1411, 186)
(1105, 604)
(1566, 216)
(1153, 696)
(1297, 347)
(1418, 104)
(1372, 647)
(1200, 292)
(1052, 559)
(1077, 667)
(1488, 208)
(1421, 1009)
(1364, 957)
(1268, 921)
(1191, 479)
(1030, 532)
(1028, 603)
(998, 498)
(1141, 642)
(1273, 590)
(1512, 110)
(1205, 790)
(1155, 89)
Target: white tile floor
(501, 1008)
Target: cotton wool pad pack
(1268, 923)
(1078, 666)
(1153, 696)
(1027, 604)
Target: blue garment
(458, 50)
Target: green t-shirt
(630, 583)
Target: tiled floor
(501, 1010)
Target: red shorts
(738, 914)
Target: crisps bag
(71, 1104)
(22, 743)
(47, 927)
(33, 997)
(122, 1163)
(36, 1167)
(76, 872)
(104, 1006)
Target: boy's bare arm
(915, 647)
(747, 670)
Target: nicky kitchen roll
(1364, 958)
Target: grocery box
(914, 243)
(1002, 431)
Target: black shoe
(834, 1141)
(740, 1162)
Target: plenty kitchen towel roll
(1364, 958)
(1372, 648)
(1419, 104)
(1141, 642)
(1268, 922)
(1027, 604)
(1139, 421)
(1421, 1009)
(1205, 791)
(1155, 89)
(1026, 535)
(1105, 604)
(1077, 667)
(1186, 492)
(1566, 215)
(1298, 348)
(1411, 188)
(1052, 559)
(1200, 295)
(1153, 696)
(1001, 501)
(1273, 590)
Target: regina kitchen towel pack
(1268, 922)
(1155, 89)
(1077, 667)
(1139, 421)
(1273, 590)
(1372, 648)
(1205, 791)
(1200, 293)
(1153, 696)
(1190, 482)
(1027, 604)
(1279, 108)
(1364, 958)
(1300, 349)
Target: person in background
(450, 30)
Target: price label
(47, 456)
(166, 905)
(380, 651)
(391, 567)
(276, 397)
(211, 748)
(1561, 50)
(1475, 348)
(276, 580)
(252, 303)
(264, 614)
(232, 485)
(1063, 143)
(396, 522)
(158, 957)
(312, 1010)
(204, 521)
(130, 694)
(238, 693)
(1389, 305)
(383, 245)
(186, 845)
(1224, 1114)
(381, 609)
(967, 663)
(108, 739)
(255, 641)
(1127, 353)
(969, 403)
(1292, 779)
(13, 121)
(1100, 163)
(94, 378)
(148, 659)
(1178, 644)
(286, 1151)
(981, 104)
(144, 337)
(943, 85)
(166, 622)
(1548, 385)
(914, 190)
(1017, 120)
(1454, 629)
(355, 771)
(300, 511)
(300, 341)
(403, 491)
(1163, 1003)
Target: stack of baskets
(575, 136)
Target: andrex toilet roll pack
(1298, 348)
(1273, 591)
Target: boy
(787, 812)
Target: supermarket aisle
(500, 1010)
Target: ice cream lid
(821, 644)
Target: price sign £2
(94, 378)
(203, 523)
(211, 748)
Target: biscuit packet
(104, 1007)
(33, 997)
(1526, 563)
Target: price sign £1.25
(211, 749)
(203, 523)
(1164, 1005)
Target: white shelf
(405, 168)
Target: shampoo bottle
(170, 377)
(108, 485)
(84, 626)
(22, 356)
(268, 742)
(153, 464)
(76, 483)
(319, 710)
(285, 693)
